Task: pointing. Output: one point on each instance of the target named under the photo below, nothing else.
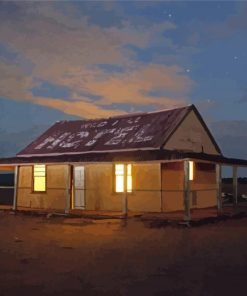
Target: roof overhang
(130, 156)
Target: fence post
(219, 189)
(186, 191)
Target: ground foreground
(57, 256)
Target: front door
(79, 187)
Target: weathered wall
(147, 183)
(55, 195)
(172, 187)
(100, 193)
(191, 136)
(203, 187)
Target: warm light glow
(39, 177)
(191, 170)
(120, 175)
(129, 178)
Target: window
(191, 170)
(39, 177)
(123, 174)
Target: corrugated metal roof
(127, 156)
(121, 133)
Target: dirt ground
(57, 256)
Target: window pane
(39, 170)
(119, 169)
(119, 183)
(129, 169)
(191, 169)
(129, 183)
(39, 184)
(39, 177)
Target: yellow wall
(99, 188)
(190, 136)
(172, 187)
(55, 195)
(147, 183)
(99, 193)
(203, 188)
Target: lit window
(39, 177)
(129, 178)
(120, 174)
(191, 170)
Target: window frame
(33, 179)
(125, 176)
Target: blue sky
(64, 60)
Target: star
(187, 70)
(169, 15)
(235, 58)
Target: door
(79, 187)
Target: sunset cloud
(65, 49)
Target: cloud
(62, 47)
(236, 22)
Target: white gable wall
(191, 136)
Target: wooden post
(15, 187)
(186, 191)
(235, 185)
(125, 193)
(219, 189)
(67, 193)
(161, 191)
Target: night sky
(64, 60)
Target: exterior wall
(55, 195)
(172, 186)
(203, 187)
(203, 191)
(100, 195)
(146, 184)
(191, 136)
(99, 188)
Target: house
(160, 161)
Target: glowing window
(191, 170)
(129, 178)
(120, 175)
(39, 177)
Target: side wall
(172, 186)
(191, 136)
(55, 195)
(203, 188)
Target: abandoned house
(160, 161)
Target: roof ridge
(126, 115)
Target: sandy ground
(57, 256)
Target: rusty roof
(120, 133)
